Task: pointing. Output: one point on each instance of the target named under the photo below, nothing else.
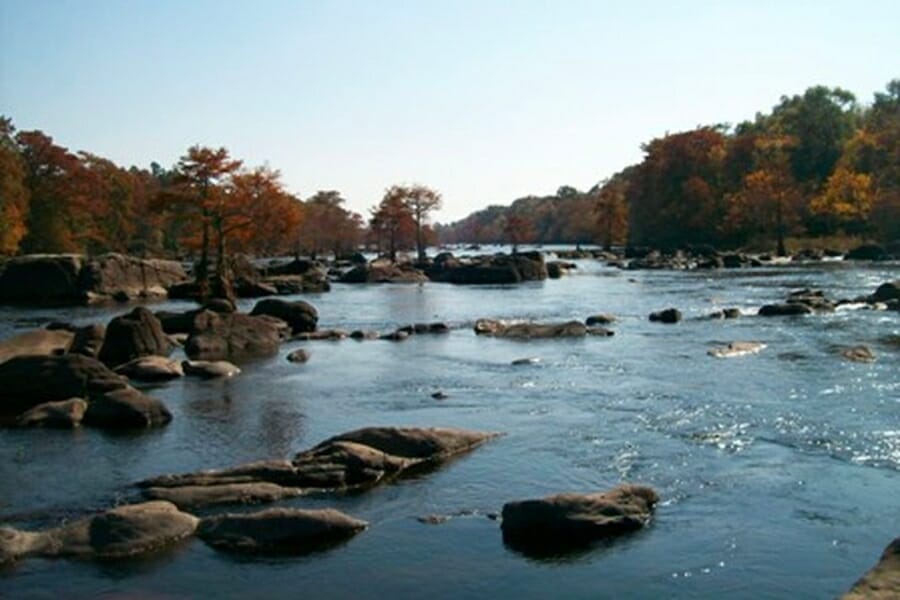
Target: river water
(779, 472)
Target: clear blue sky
(485, 100)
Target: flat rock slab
(881, 582)
(734, 349)
(281, 530)
(858, 354)
(121, 532)
(151, 368)
(196, 496)
(578, 518)
(358, 459)
(42, 342)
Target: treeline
(205, 206)
(818, 164)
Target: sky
(484, 100)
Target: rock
(780, 310)
(232, 337)
(395, 336)
(439, 395)
(209, 369)
(731, 313)
(555, 269)
(279, 530)
(600, 319)
(298, 356)
(139, 333)
(42, 279)
(173, 322)
(322, 334)
(39, 342)
(494, 328)
(814, 299)
(64, 414)
(573, 519)
(867, 252)
(881, 582)
(223, 306)
(886, 292)
(111, 275)
(197, 496)
(526, 361)
(355, 460)
(858, 354)
(383, 272)
(498, 269)
(89, 340)
(669, 315)
(736, 349)
(151, 368)
(121, 532)
(301, 316)
(360, 335)
(26, 381)
(126, 408)
(314, 282)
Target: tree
(14, 194)
(328, 226)
(420, 201)
(612, 212)
(201, 175)
(517, 230)
(392, 224)
(846, 200)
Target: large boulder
(573, 519)
(498, 269)
(89, 340)
(528, 330)
(301, 316)
(123, 277)
(45, 279)
(136, 334)
(39, 342)
(881, 582)
(126, 408)
(669, 315)
(26, 381)
(232, 337)
(279, 530)
(355, 460)
(121, 532)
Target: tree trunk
(779, 224)
(202, 274)
(420, 240)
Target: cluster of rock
(530, 330)
(300, 276)
(70, 279)
(446, 268)
(809, 301)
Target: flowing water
(779, 471)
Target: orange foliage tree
(14, 193)
(392, 224)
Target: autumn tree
(611, 212)
(14, 194)
(518, 229)
(420, 201)
(392, 224)
(201, 176)
(328, 225)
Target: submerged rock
(121, 532)
(298, 356)
(39, 342)
(736, 349)
(669, 315)
(279, 530)
(357, 459)
(573, 519)
(881, 582)
(782, 310)
(858, 354)
(600, 319)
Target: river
(779, 472)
